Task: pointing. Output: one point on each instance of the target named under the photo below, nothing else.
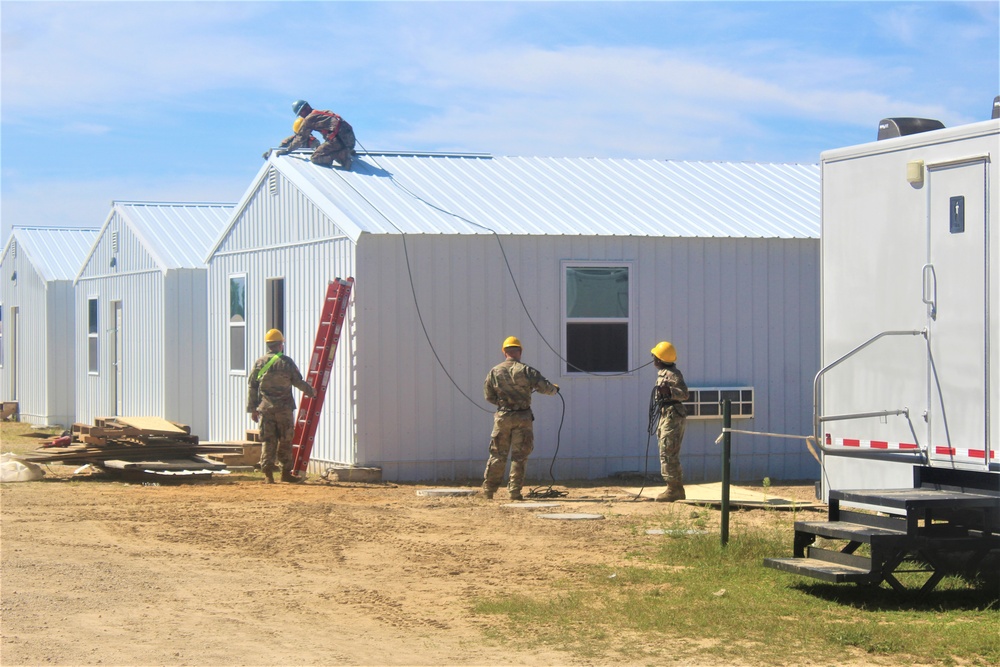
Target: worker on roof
(338, 136)
(509, 386)
(270, 401)
(668, 394)
(286, 142)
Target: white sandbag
(12, 470)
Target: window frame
(231, 326)
(629, 320)
(93, 335)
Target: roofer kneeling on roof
(338, 135)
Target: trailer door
(956, 291)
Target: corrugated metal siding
(149, 256)
(386, 194)
(281, 235)
(45, 259)
(741, 312)
(274, 215)
(143, 381)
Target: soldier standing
(508, 386)
(270, 401)
(670, 392)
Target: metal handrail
(818, 419)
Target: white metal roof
(56, 252)
(391, 193)
(177, 235)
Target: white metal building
(37, 363)
(589, 261)
(141, 343)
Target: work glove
(255, 416)
(557, 387)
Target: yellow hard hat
(274, 336)
(297, 125)
(665, 352)
(510, 341)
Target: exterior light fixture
(915, 172)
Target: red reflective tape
(879, 444)
(908, 445)
(977, 453)
(851, 443)
(947, 451)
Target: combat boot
(268, 476)
(287, 476)
(515, 494)
(673, 493)
(488, 492)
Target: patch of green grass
(20, 437)
(703, 599)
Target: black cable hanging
(536, 492)
(655, 404)
(549, 491)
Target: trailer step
(846, 530)
(835, 573)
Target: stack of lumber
(136, 445)
(242, 453)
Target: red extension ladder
(331, 321)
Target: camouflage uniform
(337, 132)
(271, 396)
(671, 390)
(508, 386)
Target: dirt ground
(230, 571)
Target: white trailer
(907, 401)
(910, 248)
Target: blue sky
(176, 101)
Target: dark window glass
(596, 348)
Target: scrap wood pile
(134, 445)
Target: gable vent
(13, 249)
(272, 182)
(114, 243)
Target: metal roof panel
(56, 252)
(391, 193)
(178, 235)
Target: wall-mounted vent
(272, 182)
(996, 107)
(900, 127)
(114, 243)
(13, 249)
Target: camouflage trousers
(512, 434)
(341, 149)
(277, 429)
(669, 434)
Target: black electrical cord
(506, 261)
(550, 492)
(655, 405)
